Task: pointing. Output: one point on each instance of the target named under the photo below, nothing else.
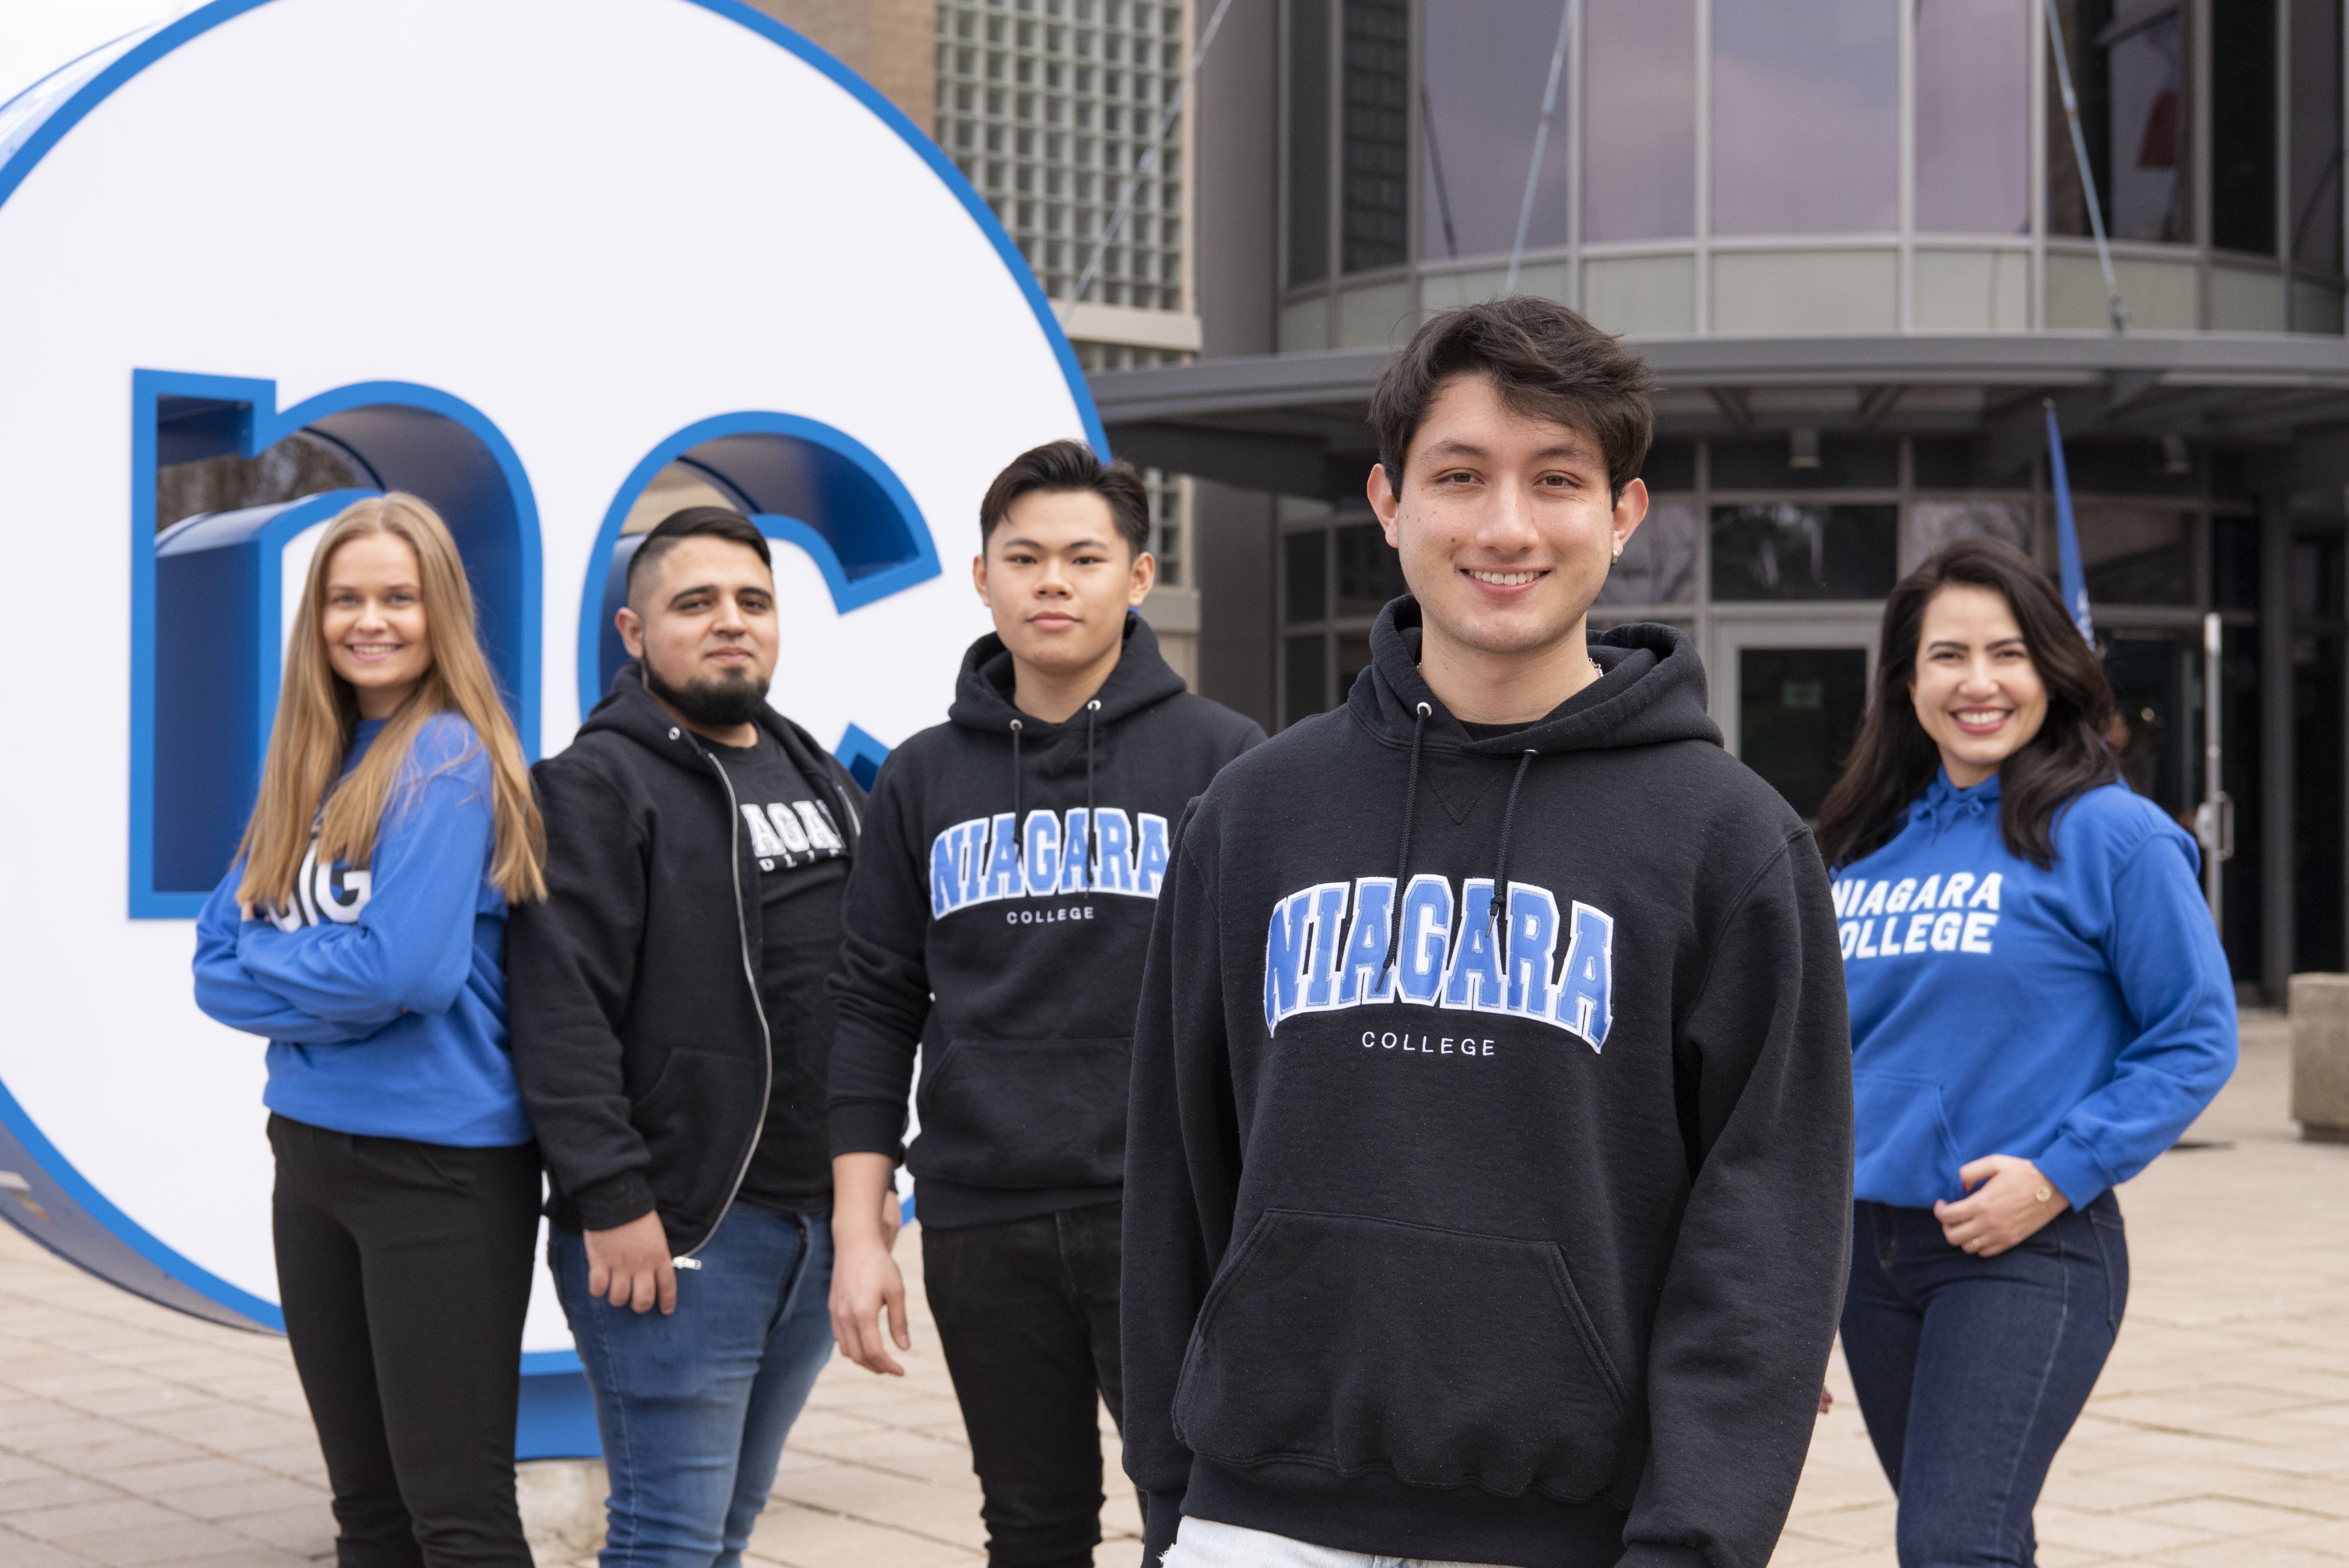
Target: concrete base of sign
(2320, 1056)
(561, 1507)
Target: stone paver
(2218, 1438)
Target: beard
(714, 704)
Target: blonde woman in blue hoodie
(362, 933)
(2038, 1007)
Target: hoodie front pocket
(1444, 1357)
(1904, 1153)
(1024, 1114)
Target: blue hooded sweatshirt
(382, 990)
(2079, 1017)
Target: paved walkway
(2219, 1434)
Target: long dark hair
(1894, 760)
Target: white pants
(1205, 1543)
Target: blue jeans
(1971, 1371)
(694, 1406)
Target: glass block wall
(1048, 106)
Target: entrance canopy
(1293, 424)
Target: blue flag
(2068, 533)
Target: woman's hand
(2006, 1201)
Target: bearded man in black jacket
(1488, 1175)
(671, 1036)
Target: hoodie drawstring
(1092, 829)
(1403, 853)
(1016, 728)
(1500, 905)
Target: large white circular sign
(517, 256)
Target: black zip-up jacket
(1523, 1250)
(1031, 940)
(638, 1036)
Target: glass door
(1789, 693)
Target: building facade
(1057, 112)
(1854, 238)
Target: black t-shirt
(802, 857)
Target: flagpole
(2087, 174)
(2068, 532)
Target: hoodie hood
(1141, 678)
(1652, 691)
(1944, 805)
(628, 709)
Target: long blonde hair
(318, 718)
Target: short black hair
(1063, 466)
(691, 522)
(1543, 358)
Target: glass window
(1375, 133)
(1308, 141)
(1485, 66)
(1806, 121)
(1670, 465)
(1767, 463)
(2316, 133)
(1974, 118)
(1803, 550)
(2235, 563)
(1799, 713)
(1307, 593)
(2149, 676)
(1305, 678)
(2129, 70)
(1639, 158)
(1933, 524)
(1659, 565)
(1948, 462)
(2244, 126)
(2136, 556)
(1369, 571)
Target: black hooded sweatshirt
(1031, 946)
(1523, 1251)
(641, 1040)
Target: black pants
(405, 1270)
(1026, 1314)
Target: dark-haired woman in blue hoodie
(2038, 1007)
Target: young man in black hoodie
(1503, 1222)
(996, 918)
(670, 1032)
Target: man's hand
(2007, 1202)
(864, 1277)
(629, 1266)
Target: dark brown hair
(1894, 760)
(1543, 358)
(1063, 466)
(695, 522)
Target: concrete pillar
(2276, 803)
(2320, 1056)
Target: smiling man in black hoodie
(997, 917)
(1502, 1223)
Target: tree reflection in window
(302, 464)
(1801, 550)
(1659, 565)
